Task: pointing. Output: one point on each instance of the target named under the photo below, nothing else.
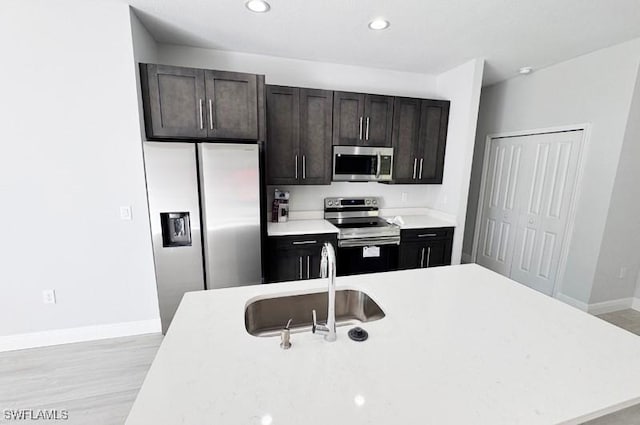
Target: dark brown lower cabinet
(296, 257)
(421, 248)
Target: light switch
(49, 296)
(125, 213)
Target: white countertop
(458, 345)
(422, 221)
(300, 227)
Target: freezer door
(230, 202)
(172, 188)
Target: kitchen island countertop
(458, 345)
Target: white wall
(596, 89)
(145, 50)
(303, 73)
(71, 156)
(621, 242)
(460, 85)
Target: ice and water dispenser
(176, 229)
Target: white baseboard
(601, 307)
(466, 258)
(572, 302)
(70, 335)
(610, 306)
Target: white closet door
(550, 174)
(500, 205)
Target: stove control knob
(368, 201)
(330, 203)
(375, 202)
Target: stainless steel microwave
(362, 163)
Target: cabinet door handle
(296, 167)
(420, 175)
(303, 242)
(304, 167)
(308, 261)
(415, 164)
(422, 258)
(366, 133)
(210, 113)
(201, 116)
(428, 256)
(300, 268)
(360, 136)
(427, 235)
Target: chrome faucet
(328, 270)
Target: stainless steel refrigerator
(206, 220)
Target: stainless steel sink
(266, 317)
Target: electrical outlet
(49, 296)
(623, 273)
(404, 196)
(125, 213)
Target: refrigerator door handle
(304, 167)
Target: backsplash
(311, 198)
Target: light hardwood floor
(97, 382)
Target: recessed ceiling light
(258, 6)
(379, 24)
(525, 70)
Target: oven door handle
(352, 243)
(379, 168)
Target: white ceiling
(426, 36)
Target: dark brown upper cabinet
(419, 140)
(232, 105)
(188, 103)
(173, 101)
(362, 119)
(298, 136)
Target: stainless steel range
(366, 242)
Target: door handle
(366, 133)
(303, 242)
(300, 268)
(360, 136)
(422, 258)
(304, 167)
(308, 261)
(201, 116)
(427, 235)
(415, 164)
(428, 256)
(420, 176)
(296, 167)
(210, 114)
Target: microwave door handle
(379, 165)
